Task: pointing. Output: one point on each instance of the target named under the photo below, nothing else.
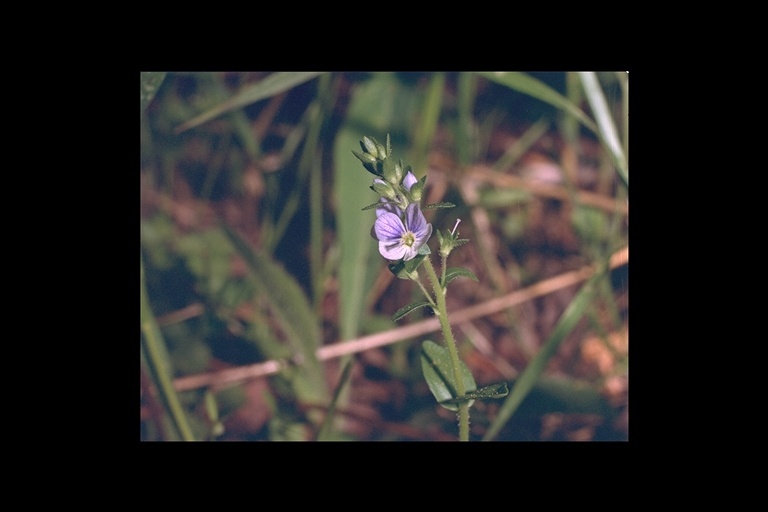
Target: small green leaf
(407, 309)
(454, 272)
(436, 367)
(404, 269)
(493, 391)
(379, 204)
(434, 206)
(372, 206)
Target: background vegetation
(266, 310)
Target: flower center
(408, 239)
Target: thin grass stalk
(323, 432)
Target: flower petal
(387, 207)
(388, 227)
(393, 250)
(410, 252)
(414, 219)
(422, 236)
(409, 180)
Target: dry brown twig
(488, 175)
(234, 376)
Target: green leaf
(294, 313)
(407, 309)
(454, 272)
(150, 83)
(434, 206)
(436, 367)
(493, 391)
(272, 85)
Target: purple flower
(398, 239)
(386, 206)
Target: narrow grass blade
(270, 86)
(425, 130)
(521, 146)
(526, 84)
(311, 160)
(159, 363)
(528, 378)
(323, 433)
(353, 228)
(465, 130)
(607, 128)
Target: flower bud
(417, 190)
(365, 157)
(382, 150)
(369, 145)
(384, 189)
(392, 172)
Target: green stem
(426, 293)
(442, 315)
(443, 262)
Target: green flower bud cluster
(394, 182)
(373, 155)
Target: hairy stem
(426, 293)
(442, 315)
